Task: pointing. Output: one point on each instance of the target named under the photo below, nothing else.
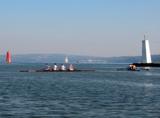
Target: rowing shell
(84, 70)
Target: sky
(104, 28)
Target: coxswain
(48, 67)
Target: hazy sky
(83, 27)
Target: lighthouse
(146, 53)
(146, 56)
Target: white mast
(146, 53)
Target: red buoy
(8, 57)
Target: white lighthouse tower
(146, 53)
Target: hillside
(59, 58)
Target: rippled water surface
(109, 92)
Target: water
(106, 93)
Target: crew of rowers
(62, 67)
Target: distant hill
(59, 58)
(131, 59)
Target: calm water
(106, 93)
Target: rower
(55, 67)
(63, 67)
(71, 68)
